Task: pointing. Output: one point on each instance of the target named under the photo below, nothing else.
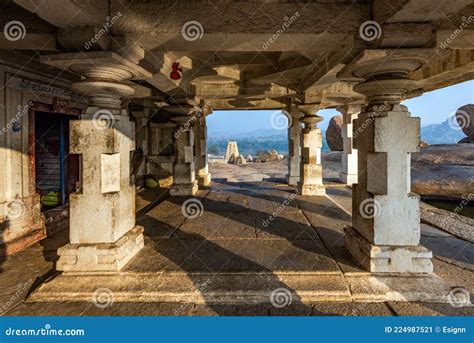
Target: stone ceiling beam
(31, 41)
(67, 13)
(409, 11)
(461, 39)
(241, 42)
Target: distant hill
(259, 140)
(260, 133)
(441, 133)
(251, 142)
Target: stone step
(240, 288)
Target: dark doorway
(57, 172)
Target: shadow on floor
(281, 298)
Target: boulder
(465, 119)
(249, 158)
(444, 171)
(334, 134)
(268, 156)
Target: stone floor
(228, 258)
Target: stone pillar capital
(386, 73)
(308, 109)
(311, 121)
(348, 109)
(104, 74)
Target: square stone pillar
(202, 168)
(385, 232)
(184, 174)
(103, 234)
(160, 158)
(311, 169)
(348, 174)
(386, 219)
(294, 148)
(142, 138)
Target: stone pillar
(184, 173)
(161, 154)
(348, 174)
(202, 168)
(311, 169)
(385, 236)
(142, 139)
(103, 234)
(294, 147)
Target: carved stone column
(202, 168)
(103, 234)
(184, 174)
(385, 236)
(348, 174)
(142, 137)
(160, 159)
(311, 169)
(294, 147)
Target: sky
(433, 108)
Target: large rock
(334, 133)
(444, 171)
(268, 156)
(465, 119)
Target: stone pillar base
(204, 180)
(312, 189)
(387, 258)
(184, 188)
(348, 179)
(101, 257)
(292, 180)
